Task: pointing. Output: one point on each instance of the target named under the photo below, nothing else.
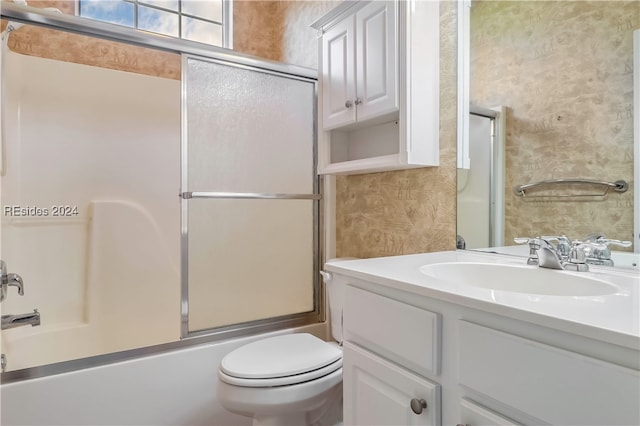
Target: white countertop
(613, 318)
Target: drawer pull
(417, 405)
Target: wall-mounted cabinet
(379, 88)
(359, 60)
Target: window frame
(226, 24)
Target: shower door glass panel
(249, 260)
(248, 133)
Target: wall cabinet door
(377, 392)
(376, 60)
(338, 74)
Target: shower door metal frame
(103, 30)
(268, 324)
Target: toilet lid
(280, 356)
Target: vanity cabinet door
(554, 385)
(472, 414)
(377, 392)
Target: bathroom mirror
(551, 91)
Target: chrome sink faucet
(542, 252)
(563, 256)
(545, 254)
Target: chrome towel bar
(618, 186)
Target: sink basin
(519, 279)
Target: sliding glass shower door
(250, 197)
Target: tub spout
(13, 321)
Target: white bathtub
(173, 388)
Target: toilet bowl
(292, 379)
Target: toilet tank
(335, 287)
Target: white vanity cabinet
(389, 347)
(379, 88)
(474, 367)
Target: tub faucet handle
(9, 280)
(15, 280)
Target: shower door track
(35, 16)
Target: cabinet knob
(417, 405)
(358, 101)
(348, 104)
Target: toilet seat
(280, 361)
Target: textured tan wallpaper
(257, 28)
(63, 46)
(279, 30)
(565, 71)
(300, 41)
(276, 30)
(409, 211)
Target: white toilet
(293, 379)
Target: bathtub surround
(120, 241)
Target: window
(204, 21)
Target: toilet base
(328, 414)
(314, 403)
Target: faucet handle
(522, 240)
(577, 260)
(534, 246)
(619, 243)
(15, 280)
(603, 255)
